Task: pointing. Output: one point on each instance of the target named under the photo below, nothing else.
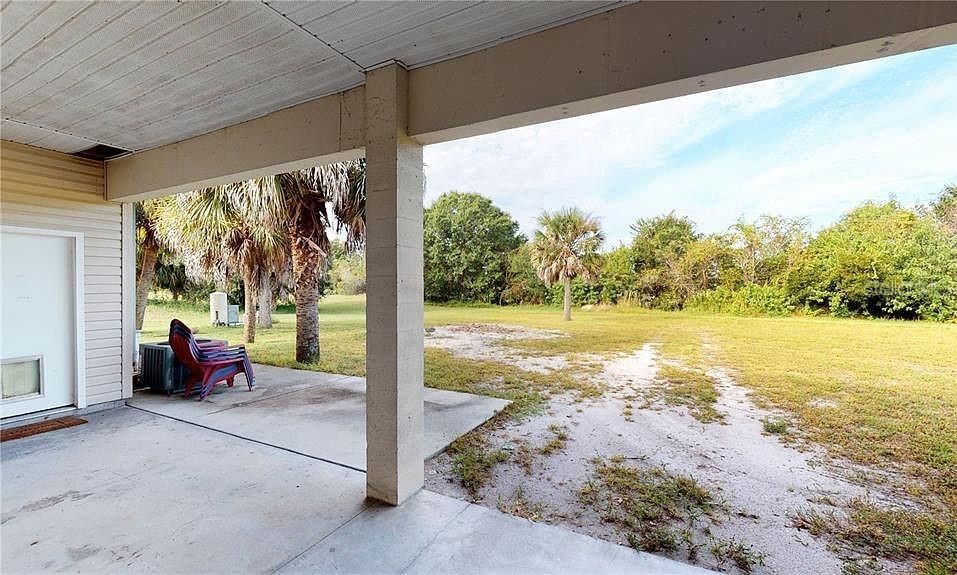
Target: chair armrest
(220, 350)
(224, 356)
(211, 344)
(223, 361)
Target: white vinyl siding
(44, 189)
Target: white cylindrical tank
(218, 308)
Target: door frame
(79, 339)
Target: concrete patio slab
(136, 492)
(432, 533)
(145, 493)
(270, 382)
(317, 414)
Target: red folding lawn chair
(208, 364)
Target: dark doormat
(39, 427)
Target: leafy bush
(466, 241)
(659, 238)
(765, 249)
(582, 293)
(750, 299)
(522, 284)
(347, 276)
(616, 281)
(656, 242)
(880, 260)
(944, 210)
(700, 268)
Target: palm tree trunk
(264, 317)
(305, 271)
(567, 281)
(249, 322)
(145, 282)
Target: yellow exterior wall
(44, 189)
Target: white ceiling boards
(137, 75)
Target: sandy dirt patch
(760, 479)
(484, 342)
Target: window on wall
(21, 378)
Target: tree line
(270, 238)
(881, 259)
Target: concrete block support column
(394, 292)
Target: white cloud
(902, 148)
(840, 157)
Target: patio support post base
(394, 286)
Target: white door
(38, 312)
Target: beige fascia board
(656, 50)
(320, 131)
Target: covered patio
(319, 415)
(108, 103)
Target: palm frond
(567, 246)
(349, 204)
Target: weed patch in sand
(734, 552)
(558, 440)
(692, 388)
(866, 529)
(519, 506)
(523, 456)
(473, 459)
(444, 370)
(659, 511)
(774, 426)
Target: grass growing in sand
(519, 506)
(473, 459)
(647, 503)
(867, 529)
(692, 388)
(873, 391)
(557, 441)
(661, 511)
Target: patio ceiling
(136, 75)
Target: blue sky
(812, 145)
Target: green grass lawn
(882, 392)
(342, 324)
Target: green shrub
(522, 284)
(747, 300)
(775, 426)
(347, 276)
(466, 240)
(880, 260)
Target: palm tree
(269, 282)
(566, 247)
(307, 219)
(259, 225)
(306, 194)
(149, 244)
(239, 225)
